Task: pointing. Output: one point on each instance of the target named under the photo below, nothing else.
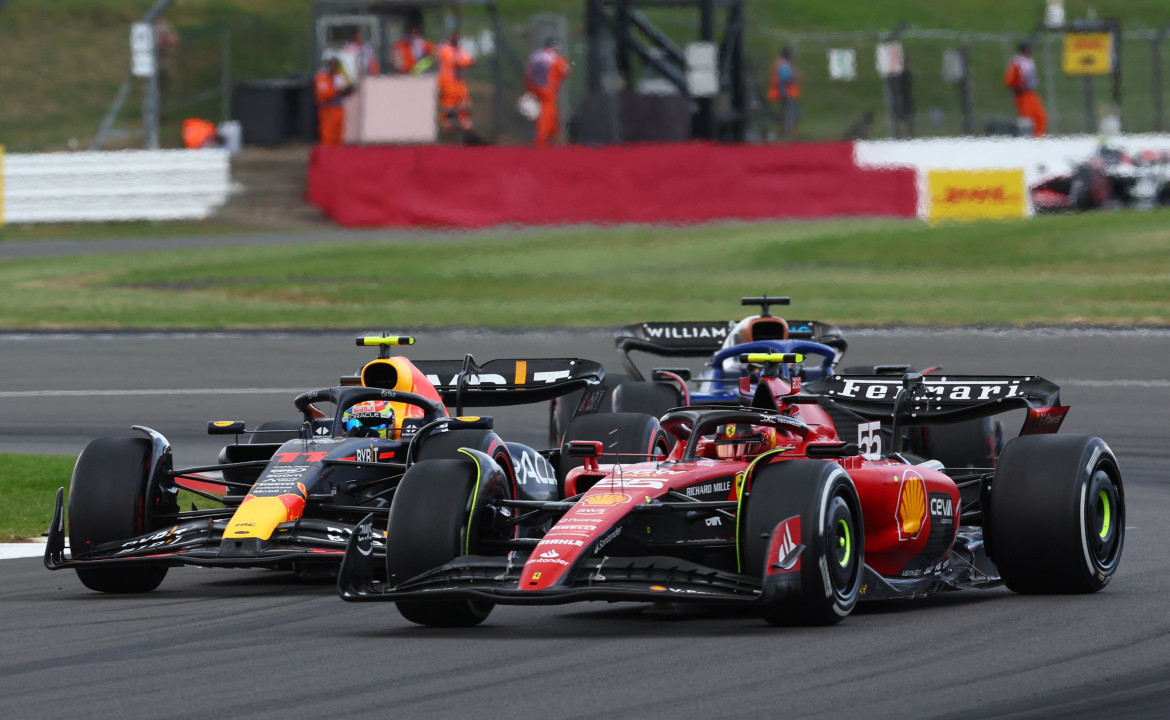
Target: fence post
(1050, 86)
(225, 77)
(967, 87)
(1156, 76)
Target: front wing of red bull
(201, 543)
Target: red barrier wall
(466, 187)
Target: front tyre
(1057, 521)
(438, 515)
(821, 494)
(109, 498)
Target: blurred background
(65, 66)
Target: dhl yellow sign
(960, 195)
(1088, 53)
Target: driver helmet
(737, 440)
(370, 418)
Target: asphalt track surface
(258, 644)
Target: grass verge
(29, 485)
(1104, 268)
(28, 488)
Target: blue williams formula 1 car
(293, 491)
(973, 444)
(793, 508)
(722, 342)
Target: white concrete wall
(121, 185)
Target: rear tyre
(109, 499)
(651, 398)
(831, 564)
(289, 430)
(626, 438)
(433, 521)
(561, 409)
(1057, 516)
(970, 444)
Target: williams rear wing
(508, 382)
(674, 339)
(920, 400)
(703, 339)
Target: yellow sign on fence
(976, 195)
(1088, 53)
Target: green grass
(28, 486)
(1105, 268)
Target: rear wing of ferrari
(466, 383)
(921, 400)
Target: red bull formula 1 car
(295, 490)
(793, 508)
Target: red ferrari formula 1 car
(790, 508)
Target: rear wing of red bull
(466, 383)
(920, 400)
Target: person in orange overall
(785, 89)
(1022, 80)
(547, 69)
(412, 52)
(454, 100)
(331, 86)
(199, 133)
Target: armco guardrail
(122, 185)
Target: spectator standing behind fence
(902, 94)
(331, 86)
(1022, 79)
(785, 89)
(412, 52)
(358, 59)
(454, 100)
(547, 69)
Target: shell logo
(606, 499)
(911, 511)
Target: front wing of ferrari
(497, 580)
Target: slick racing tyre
(625, 438)
(969, 444)
(651, 398)
(822, 496)
(438, 514)
(1057, 515)
(109, 498)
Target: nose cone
(257, 517)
